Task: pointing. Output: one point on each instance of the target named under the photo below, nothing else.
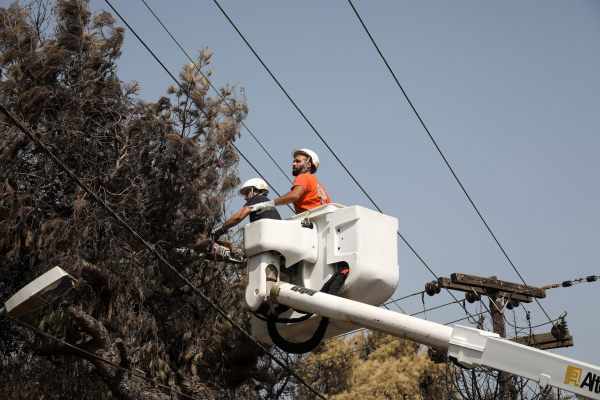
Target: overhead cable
(367, 347)
(396, 304)
(442, 154)
(297, 108)
(97, 358)
(462, 319)
(411, 315)
(591, 278)
(325, 143)
(215, 89)
(402, 298)
(148, 247)
(504, 316)
(177, 82)
(435, 308)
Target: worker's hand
(262, 207)
(217, 233)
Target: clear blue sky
(509, 90)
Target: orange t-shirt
(314, 196)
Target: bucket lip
(324, 209)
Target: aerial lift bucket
(308, 249)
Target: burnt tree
(166, 167)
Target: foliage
(376, 366)
(165, 167)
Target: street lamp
(41, 292)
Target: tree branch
(92, 327)
(125, 360)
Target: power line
(177, 82)
(502, 312)
(468, 316)
(402, 298)
(442, 154)
(424, 311)
(345, 334)
(97, 358)
(396, 304)
(456, 300)
(215, 89)
(435, 308)
(504, 316)
(148, 247)
(591, 278)
(261, 175)
(411, 315)
(297, 108)
(325, 143)
(367, 347)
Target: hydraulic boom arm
(467, 346)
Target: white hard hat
(309, 153)
(256, 183)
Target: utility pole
(497, 310)
(513, 294)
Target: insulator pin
(472, 297)
(432, 288)
(512, 303)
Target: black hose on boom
(332, 286)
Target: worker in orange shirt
(307, 192)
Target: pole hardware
(432, 288)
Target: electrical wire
(177, 82)
(97, 358)
(442, 154)
(434, 308)
(528, 327)
(504, 316)
(411, 315)
(215, 89)
(325, 143)
(295, 105)
(486, 307)
(331, 150)
(261, 175)
(370, 346)
(345, 334)
(589, 279)
(148, 247)
(402, 298)
(462, 319)
(396, 304)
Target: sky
(509, 90)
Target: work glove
(218, 232)
(262, 207)
(237, 254)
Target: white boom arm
(468, 346)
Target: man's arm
(290, 197)
(237, 218)
(293, 195)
